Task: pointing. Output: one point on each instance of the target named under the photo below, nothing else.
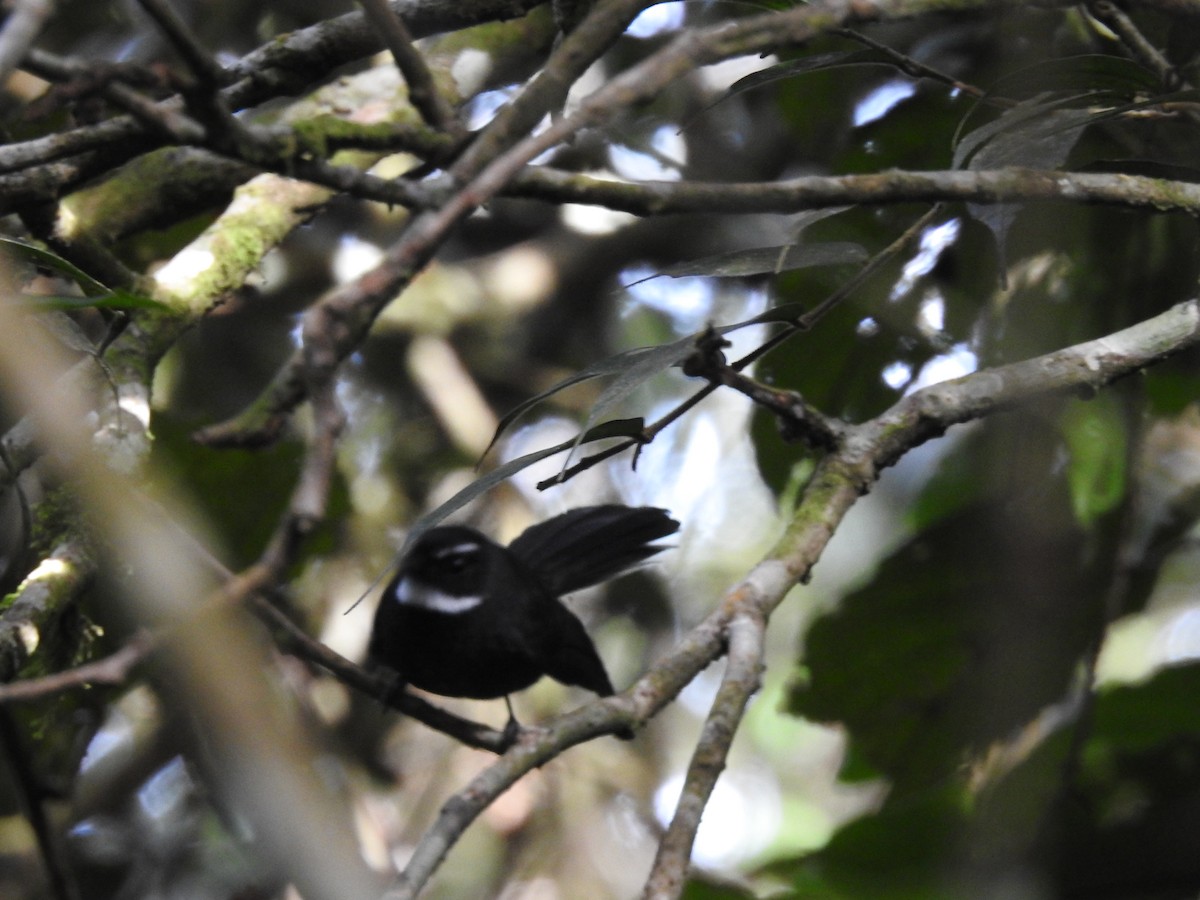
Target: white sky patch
(721, 76)
(933, 242)
(877, 103)
(352, 257)
(958, 362)
(896, 375)
(166, 791)
(931, 315)
(669, 156)
(1181, 638)
(470, 70)
(741, 819)
(657, 19)
(482, 109)
(687, 300)
(594, 219)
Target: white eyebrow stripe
(414, 593)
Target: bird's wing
(591, 544)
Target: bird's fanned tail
(591, 544)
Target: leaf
(1090, 72)
(107, 300)
(1036, 134)
(1141, 717)
(97, 295)
(610, 365)
(814, 63)
(769, 260)
(604, 431)
(635, 367)
(1039, 132)
(902, 852)
(55, 263)
(1095, 433)
(962, 635)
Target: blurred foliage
(951, 651)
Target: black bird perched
(466, 617)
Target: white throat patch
(415, 593)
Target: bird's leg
(512, 730)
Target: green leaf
(107, 300)
(613, 429)
(97, 295)
(55, 263)
(1140, 717)
(769, 260)
(1095, 433)
(963, 634)
(812, 63)
(905, 851)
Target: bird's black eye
(458, 558)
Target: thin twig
(422, 91)
(918, 69)
(1131, 36)
(202, 64)
(114, 669)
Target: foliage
(891, 304)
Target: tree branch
(746, 632)
(839, 480)
(823, 191)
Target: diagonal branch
(746, 633)
(837, 483)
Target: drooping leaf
(648, 360)
(55, 263)
(813, 63)
(97, 295)
(1116, 76)
(768, 260)
(629, 428)
(107, 300)
(1039, 133)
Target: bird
(465, 616)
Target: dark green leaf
(962, 635)
(107, 300)
(813, 63)
(1089, 72)
(48, 260)
(1139, 717)
(769, 260)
